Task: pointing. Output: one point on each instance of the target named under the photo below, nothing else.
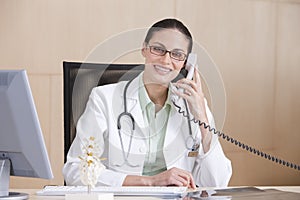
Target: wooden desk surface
(33, 196)
(283, 188)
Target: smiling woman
(155, 149)
(250, 47)
(161, 67)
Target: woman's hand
(174, 176)
(194, 95)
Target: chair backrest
(79, 79)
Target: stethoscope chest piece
(192, 144)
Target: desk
(33, 196)
(283, 188)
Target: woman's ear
(143, 51)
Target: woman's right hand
(173, 176)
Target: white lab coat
(105, 104)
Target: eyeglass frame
(165, 52)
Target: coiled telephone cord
(236, 142)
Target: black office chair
(79, 80)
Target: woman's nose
(167, 58)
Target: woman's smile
(162, 70)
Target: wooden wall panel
(240, 36)
(287, 105)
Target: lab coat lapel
(175, 139)
(133, 104)
(173, 127)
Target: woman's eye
(177, 54)
(158, 49)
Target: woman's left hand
(194, 95)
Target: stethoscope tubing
(126, 113)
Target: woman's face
(163, 69)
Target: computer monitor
(22, 148)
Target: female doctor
(153, 144)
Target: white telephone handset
(190, 67)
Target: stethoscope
(192, 143)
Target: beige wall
(255, 44)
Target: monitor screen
(21, 138)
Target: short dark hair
(170, 23)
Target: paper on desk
(253, 193)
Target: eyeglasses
(175, 54)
